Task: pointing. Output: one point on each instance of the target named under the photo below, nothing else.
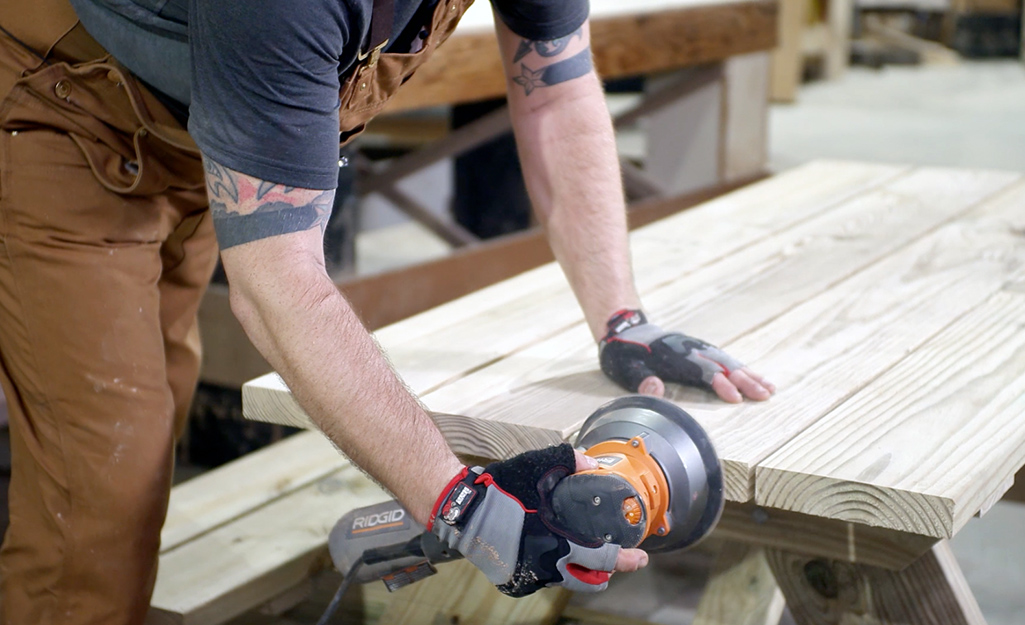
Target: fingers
(652, 385)
(742, 383)
(726, 389)
(584, 462)
(769, 386)
(631, 560)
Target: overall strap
(382, 21)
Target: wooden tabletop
(627, 38)
(886, 302)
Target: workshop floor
(971, 115)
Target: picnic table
(887, 302)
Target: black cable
(337, 599)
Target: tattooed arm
(568, 152)
(271, 240)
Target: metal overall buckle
(374, 54)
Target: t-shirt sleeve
(542, 20)
(265, 87)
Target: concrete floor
(966, 115)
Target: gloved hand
(500, 518)
(639, 355)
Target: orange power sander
(658, 484)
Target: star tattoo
(529, 79)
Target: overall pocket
(131, 143)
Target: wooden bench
(705, 118)
(885, 301)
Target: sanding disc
(682, 449)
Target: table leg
(787, 60)
(931, 591)
(741, 589)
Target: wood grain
(542, 304)
(928, 443)
(776, 296)
(941, 434)
(221, 495)
(243, 564)
(741, 590)
(818, 537)
(932, 591)
(229, 358)
(468, 67)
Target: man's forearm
(300, 322)
(571, 167)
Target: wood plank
(745, 128)
(682, 157)
(787, 60)
(741, 590)
(229, 358)
(555, 384)
(1017, 491)
(823, 538)
(932, 591)
(839, 15)
(243, 564)
(221, 495)
(540, 299)
(468, 67)
(924, 447)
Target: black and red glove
(634, 350)
(500, 518)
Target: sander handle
(590, 506)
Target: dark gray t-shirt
(261, 77)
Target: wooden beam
(468, 68)
(242, 564)
(932, 591)
(229, 359)
(741, 590)
(823, 538)
(1017, 491)
(219, 496)
(787, 60)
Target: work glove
(634, 350)
(500, 518)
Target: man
(106, 244)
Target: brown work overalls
(106, 246)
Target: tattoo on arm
(546, 49)
(561, 71)
(575, 66)
(247, 209)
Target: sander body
(658, 485)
